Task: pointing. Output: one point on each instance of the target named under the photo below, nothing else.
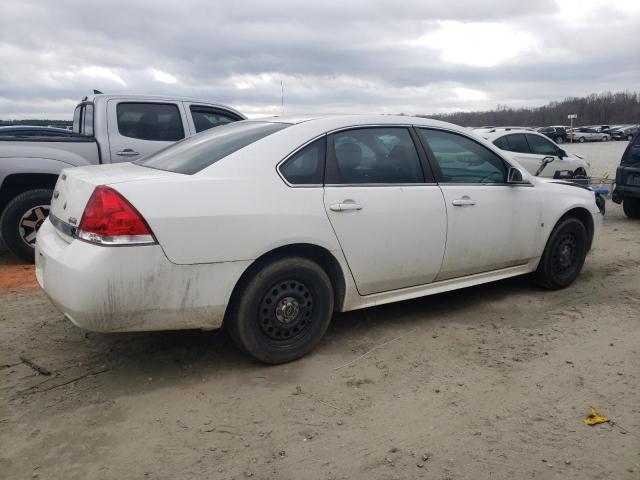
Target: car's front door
(491, 224)
(385, 208)
(139, 128)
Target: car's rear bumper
(134, 288)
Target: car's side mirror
(561, 153)
(545, 161)
(514, 176)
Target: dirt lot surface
(491, 382)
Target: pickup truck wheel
(563, 256)
(21, 220)
(283, 310)
(631, 207)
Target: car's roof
(501, 133)
(348, 120)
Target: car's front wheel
(581, 139)
(559, 140)
(282, 311)
(631, 207)
(605, 139)
(21, 220)
(563, 256)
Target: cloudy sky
(408, 56)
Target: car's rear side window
(306, 167)
(200, 151)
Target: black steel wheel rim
(565, 254)
(286, 311)
(30, 222)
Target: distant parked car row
(561, 133)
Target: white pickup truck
(107, 129)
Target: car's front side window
(462, 160)
(541, 146)
(374, 155)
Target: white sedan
(269, 226)
(530, 148)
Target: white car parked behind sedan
(530, 148)
(269, 226)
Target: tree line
(606, 108)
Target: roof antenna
(96, 92)
(282, 96)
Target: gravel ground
(490, 382)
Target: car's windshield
(195, 153)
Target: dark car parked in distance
(626, 132)
(556, 133)
(627, 190)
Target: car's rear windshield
(193, 154)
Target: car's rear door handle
(465, 201)
(344, 207)
(127, 152)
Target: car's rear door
(139, 128)
(385, 208)
(491, 224)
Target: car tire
(629, 137)
(282, 311)
(563, 256)
(605, 139)
(581, 139)
(559, 140)
(631, 207)
(21, 219)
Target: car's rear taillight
(109, 219)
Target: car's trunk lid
(75, 186)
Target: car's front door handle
(344, 207)
(463, 202)
(127, 152)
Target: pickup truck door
(138, 128)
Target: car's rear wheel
(563, 256)
(282, 310)
(605, 139)
(581, 139)
(631, 207)
(559, 140)
(21, 220)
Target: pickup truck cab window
(150, 121)
(462, 160)
(205, 118)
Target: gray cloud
(356, 56)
